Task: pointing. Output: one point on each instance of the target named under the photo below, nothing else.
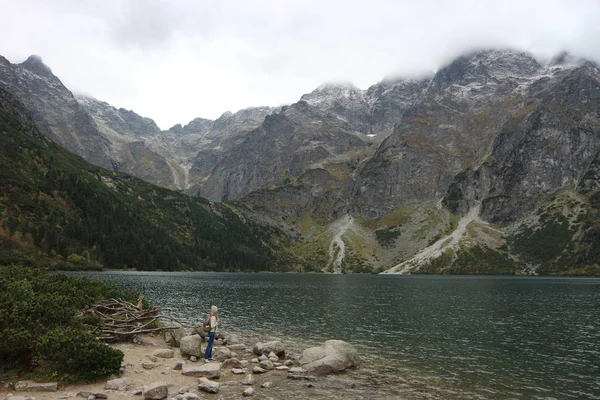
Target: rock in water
(333, 356)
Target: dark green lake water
(475, 337)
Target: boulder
(249, 380)
(274, 346)
(239, 371)
(249, 391)
(222, 354)
(333, 356)
(232, 338)
(211, 370)
(164, 353)
(188, 396)
(197, 330)
(232, 363)
(148, 365)
(191, 346)
(237, 346)
(19, 397)
(173, 336)
(179, 365)
(156, 391)
(267, 385)
(258, 370)
(266, 364)
(208, 386)
(120, 384)
(31, 386)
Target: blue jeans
(209, 348)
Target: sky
(176, 60)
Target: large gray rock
(222, 353)
(31, 386)
(266, 364)
(173, 337)
(208, 386)
(164, 353)
(209, 370)
(156, 391)
(191, 346)
(232, 363)
(274, 346)
(333, 356)
(120, 384)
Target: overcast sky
(176, 60)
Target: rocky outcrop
(55, 110)
(548, 143)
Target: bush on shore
(40, 330)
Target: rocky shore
(171, 367)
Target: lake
(469, 337)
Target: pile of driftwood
(122, 321)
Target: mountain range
(490, 165)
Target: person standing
(214, 321)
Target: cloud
(177, 60)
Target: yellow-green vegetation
(40, 332)
(340, 170)
(563, 237)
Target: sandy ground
(231, 385)
(363, 383)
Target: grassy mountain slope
(59, 211)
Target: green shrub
(77, 355)
(38, 324)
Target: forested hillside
(59, 211)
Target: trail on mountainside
(436, 249)
(340, 228)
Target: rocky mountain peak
(35, 64)
(486, 65)
(328, 94)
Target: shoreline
(143, 369)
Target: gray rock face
(333, 356)
(54, 109)
(552, 142)
(131, 139)
(451, 125)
